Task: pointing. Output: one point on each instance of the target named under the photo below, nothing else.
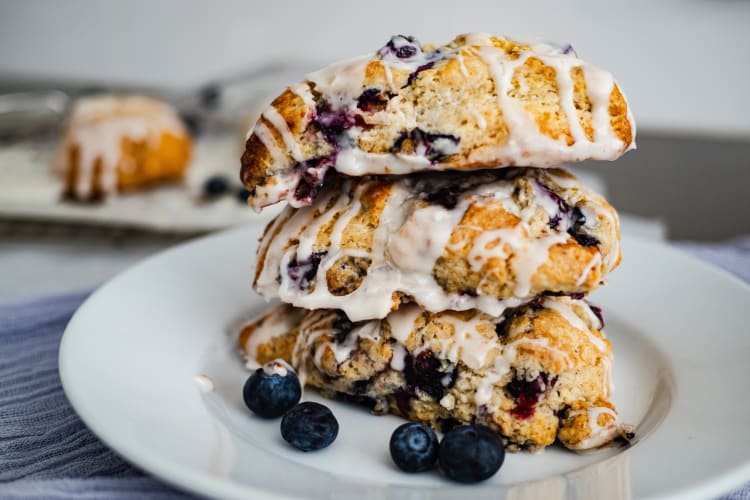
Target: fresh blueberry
(210, 96)
(193, 122)
(309, 426)
(215, 186)
(471, 453)
(414, 447)
(272, 390)
(243, 194)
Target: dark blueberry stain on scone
(403, 402)
(575, 217)
(429, 374)
(334, 122)
(433, 146)
(407, 49)
(574, 296)
(341, 326)
(562, 207)
(302, 272)
(527, 393)
(598, 313)
(311, 179)
(447, 196)
(578, 220)
(414, 74)
(401, 47)
(372, 100)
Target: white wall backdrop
(685, 65)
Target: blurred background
(684, 65)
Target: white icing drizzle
(599, 434)
(595, 261)
(276, 322)
(406, 244)
(483, 393)
(422, 238)
(398, 360)
(97, 127)
(316, 325)
(205, 383)
(402, 321)
(467, 343)
(511, 348)
(481, 122)
(342, 83)
(461, 63)
(280, 124)
(262, 132)
(343, 350)
(389, 77)
(356, 162)
(277, 367)
(481, 352)
(527, 144)
(302, 90)
(565, 309)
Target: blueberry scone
(478, 102)
(447, 240)
(539, 373)
(115, 144)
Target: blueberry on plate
(243, 194)
(414, 447)
(309, 426)
(272, 390)
(215, 186)
(471, 453)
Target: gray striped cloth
(47, 452)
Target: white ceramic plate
(30, 191)
(130, 357)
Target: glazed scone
(446, 240)
(540, 373)
(478, 102)
(114, 144)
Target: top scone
(478, 102)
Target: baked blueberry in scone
(478, 102)
(539, 373)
